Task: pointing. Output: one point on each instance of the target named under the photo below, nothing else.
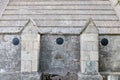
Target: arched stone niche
(30, 44)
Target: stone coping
(20, 76)
(51, 30)
(110, 73)
(17, 72)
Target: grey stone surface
(66, 20)
(68, 14)
(67, 53)
(113, 77)
(30, 47)
(89, 48)
(91, 67)
(10, 76)
(20, 76)
(9, 54)
(3, 5)
(89, 77)
(60, 30)
(109, 55)
(31, 76)
(116, 8)
(68, 76)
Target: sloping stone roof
(3, 4)
(59, 14)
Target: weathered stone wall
(110, 54)
(60, 58)
(10, 60)
(9, 54)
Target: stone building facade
(59, 40)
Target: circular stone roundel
(15, 41)
(59, 41)
(104, 42)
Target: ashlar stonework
(30, 47)
(37, 24)
(89, 53)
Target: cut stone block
(91, 55)
(26, 66)
(113, 77)
(89, 76)
(26, 55)
(31, 76)
(94, 56)
(89, 48)
(92, 37)
(89, 45)
(35, 55)
(30, 47)
(85, 55)
(89, 67)
(34, 65)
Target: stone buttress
(89, 53)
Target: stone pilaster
(30, 44)
(89, 53)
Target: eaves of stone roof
(64, 16)
(3, 5)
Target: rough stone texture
(89, 67)
(31, 76)
(60, 30)
(10, 76)
(68, 54)
(58, 19)
(9, 54)
(20, 76)
(89, 77)
(109, 55)
(68, 76)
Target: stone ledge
(110, 73)
(20, 76)
(89, 77)
(55, 30)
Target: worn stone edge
(33, 22)
(4, 5)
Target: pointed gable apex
(89, 27)
(30, 27)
